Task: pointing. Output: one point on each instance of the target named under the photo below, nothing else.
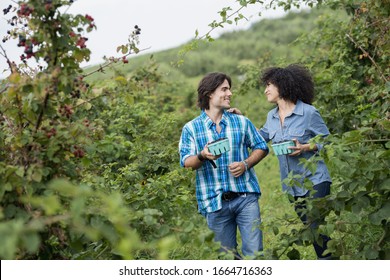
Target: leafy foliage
(350, 64)
(352, 79)
(89, 165)
(83, 174)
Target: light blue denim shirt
(304, 123)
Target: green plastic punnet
(219, 146)
(281, 148)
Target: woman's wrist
(304, 148)
(308, 148)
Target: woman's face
(272, 93)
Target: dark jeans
(322, 190)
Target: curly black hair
(208, 85)
(293, 82)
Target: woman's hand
(298, 148)
(234, 111)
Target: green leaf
(20, 172)
(31, 242)
(388, 86)
(78, 55)
(50, 204)
(10, 232)
(356, 208)
(125, 49)
(37, 175)
(150, 220)
(343, 194)
(371, 254)
(294, 254)
(188, 226)
(14, 77)
(164, 230)
(63, 187)
(121, 80)
(383, 214)
(129, 99)
(384, 185)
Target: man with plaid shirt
(227, 188)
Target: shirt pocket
(274, 136)
(300, 134)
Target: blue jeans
(322, 190)
(242, 212)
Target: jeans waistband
(228, 196)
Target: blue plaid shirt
(212, 182)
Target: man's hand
(208, 155)
(237, 168)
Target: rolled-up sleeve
(255, 138)
(318, 126)
(186, 145)
(264, 132)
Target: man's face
(220, 98)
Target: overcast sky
(164, 23)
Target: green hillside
(267, 38)
(267, 42)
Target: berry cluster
(78, 152)
(7, 10)
(51, 132)
(22, 41)
(25, 10)
(28, 48)
(23, 13)
(86, 122)
(48, 5)
(79, 86)
(90, 19)
(137, 30)
(81, 42)
(13, 21)
(125, 60)
(66, 110)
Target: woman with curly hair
(291, 89)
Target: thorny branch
(367, 55)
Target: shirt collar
(298, 110)
(209, 122)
